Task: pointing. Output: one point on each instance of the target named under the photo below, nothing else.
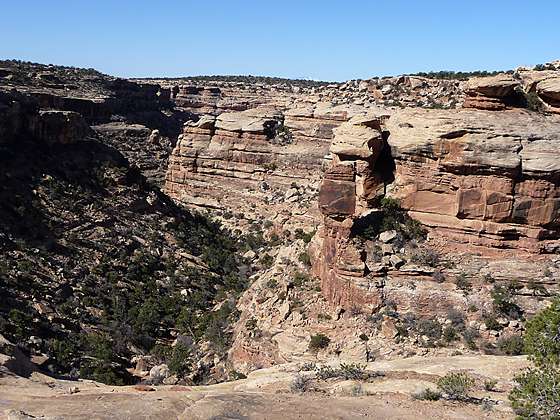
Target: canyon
(400, 217)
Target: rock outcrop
(491, 93)
(473, 178)
(349, 187)
(480, 178)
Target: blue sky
(327, 40)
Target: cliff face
(477, 180)
(480, 178)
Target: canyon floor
(266, 394)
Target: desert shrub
(457, 318)
(324, 317)
(308, 366)
(438, 276)
(266, 260)
(347, 371)
(533, 102)
(502, 301)
(427, 395)
(180, 360)
(430, 328)
(449, 334)
(456, 385)
(306, 237)
(300, 383)
(305, 259)
(491, 322)
(542, 336)
(272, 283)
(319, 341)
(511, 345)
(275, 239)
(251, 324)
(537, 394)
(300, 279)
(389, 217)
(356, 390)
(537, 289)
(470, 335)
(364, 337)
(353, 371)
(425, 256)
(490, 384)
(463, 283)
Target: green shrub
(306, 237)
(537, 394)
(427, 395)
(305, 259)
(300, 279)
(300, 383)
(266, 260)
(319, 341)
(324, 317)
(491, 322)
(463, 283)
(456, 385)
(180, 360)
(449, 334)
(502, 300)
(533, 102)
(425, 256)
(470, 335)
(490, 384)
(511, 345)
(542, 336)
(430, 328)
(390, 217)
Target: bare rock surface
(264, 393)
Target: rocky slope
(101, 273)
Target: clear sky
(327, 40)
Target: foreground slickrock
(268, 394)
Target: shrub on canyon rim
(537, 394)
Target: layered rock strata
(475, 179)
(348, 189)
(480, 178)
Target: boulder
(387, 236)
(359, 138)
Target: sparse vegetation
(427, 394)
(319, 341)
(511, 345)
(300, 383)
(537, 394)
(390, 217)
(456, 386)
